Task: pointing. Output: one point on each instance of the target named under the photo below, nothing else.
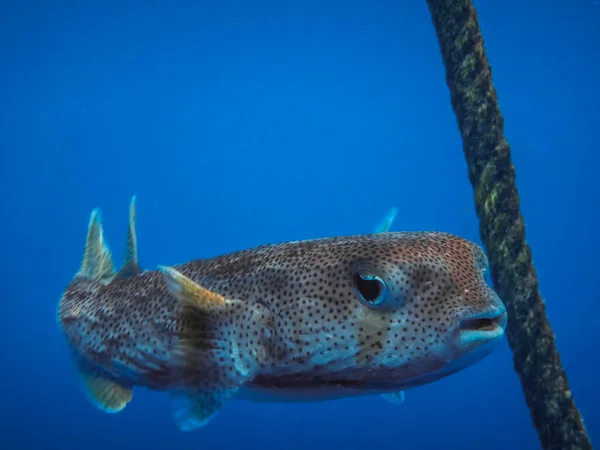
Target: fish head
(427, 296)
(395, 310)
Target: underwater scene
(303, 224)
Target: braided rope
(502, 229)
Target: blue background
(239, 123)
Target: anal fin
(108, 395)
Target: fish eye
(371, 289)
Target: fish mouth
(483, 327)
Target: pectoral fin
(208, 364)
(386, 222)
(194, 410)
(394, 397)
(191, 294)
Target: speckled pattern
(294, 315)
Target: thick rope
(502, 229)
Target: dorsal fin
(131, 267)
(97, 261)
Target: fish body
(298, 321)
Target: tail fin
(97, 261)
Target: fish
(301, 321)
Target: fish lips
(481, 330)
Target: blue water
(256, 122)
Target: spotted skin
(294, 326)
(326, 336)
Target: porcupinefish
(299, 321)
